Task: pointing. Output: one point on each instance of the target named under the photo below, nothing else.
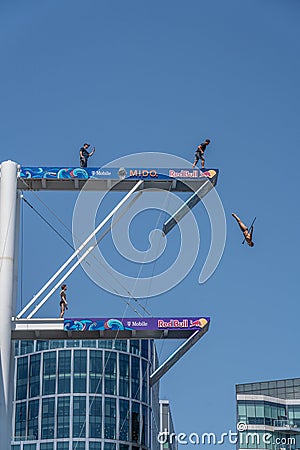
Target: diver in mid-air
(247, 232)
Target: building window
(110, 373)
(110, 414)
(57, 344)
(64, 372)
(62, 446)
(26, 347)
(95, 371)
(33, 420)
(42, 345)
(78, 445)
(29, 447)
(144, 425)
(80, 370)
(89, 343)
(17, 351)
(109, 446)
(48, 416)
(104, 344)
(79, 416)
(124, 420)
(135, 346)
(135, 378)
(123, 447)
(49, 373)
(144, 348)
(47, 446)
(73, 343)
(123, 375)
(135, 422)
(16, 447)
(95, 446)
(95, 413)
(34, 375)
(20, 421)
(22, 378)
(120, 344)
(63, 417)
(144, 381)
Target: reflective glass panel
(33, 420)
(22, 378)
(64, 371)
(34, 375)
(79, 416)
(63, 417)
(49, 373)
(80, 360)
(124, 420)
(110, 373)
(48, 415)
(110, 414)
(123, 375)
(95, 413)
(96, 371)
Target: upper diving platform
(114, 179)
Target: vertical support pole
(16, 254)
(8, 212)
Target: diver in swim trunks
(63, 300)
(200, 152)
(246, 232)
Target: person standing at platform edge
(63, 300)
(85, 155)
(200, 152)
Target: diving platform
(113, 179)
(109, 328)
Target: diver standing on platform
(85, 155)
(63, 300)
(246, 232)
(200, 152)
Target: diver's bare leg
(241, 224)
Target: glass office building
(166, 426)
(85, 395)
(268, 414)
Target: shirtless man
(246, 232)
(63, 300)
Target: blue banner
(152, 323)
(121, 173)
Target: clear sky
(135, 76)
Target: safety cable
(48, 223)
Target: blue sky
(161, 76)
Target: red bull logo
(200, 323)
(184, 174)
(173, 323)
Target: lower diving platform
(109, 328)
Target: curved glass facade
(85, 395)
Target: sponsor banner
(120, 173)
(153, 323)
